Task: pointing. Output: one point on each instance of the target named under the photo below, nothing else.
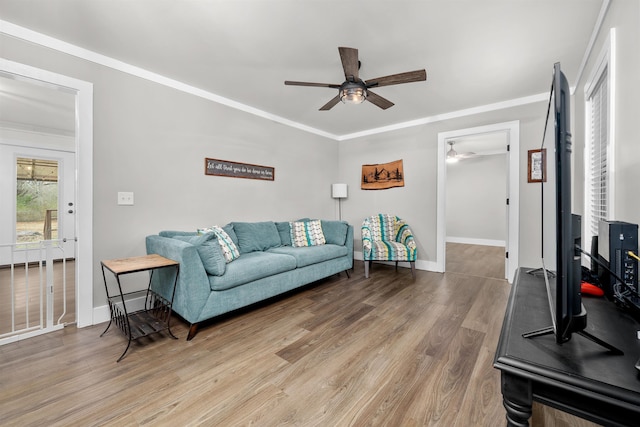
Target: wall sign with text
(238, 170)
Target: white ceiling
(476, 52)
(484, 143)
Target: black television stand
(540, 270)
(580, 323)
(578, 378)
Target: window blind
(598, 159)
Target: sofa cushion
(172, 233)
(229, 248)
(250, 267)
(256, 236)
(284, 230)
(311, 254)
(307, 233)
(335, 232)
(209, 250)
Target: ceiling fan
(453, 156)
(354, 90)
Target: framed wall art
(382, 176)
(238, 170)
(537, 165)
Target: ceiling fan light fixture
(452, 155)
(353, 93)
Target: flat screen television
(561, 230)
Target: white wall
(476, 196)
(152, 140)
(624, 17)
(416, 201)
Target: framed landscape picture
(382, 176)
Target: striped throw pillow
(307, 233)
(229, 249)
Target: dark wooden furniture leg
(193, 330)
(517, 399)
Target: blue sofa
(268, 265)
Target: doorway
(50, 148)
(476, 215)
(510, 131)
(38, 199)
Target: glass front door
(38, 200)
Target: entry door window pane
(36, 200)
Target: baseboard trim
(420, 264)
(101, 313)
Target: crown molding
(28, 35)
(451, 115)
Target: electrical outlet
(125, 198)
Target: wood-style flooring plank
(383, 351)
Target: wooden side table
(155, 315)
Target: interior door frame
(513, 191)
(84, 178)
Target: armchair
(387, 238)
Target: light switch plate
(125, 198)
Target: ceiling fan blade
(331, 85)
(378, 100)
(349, 57)
(329, 105)
(396, 79)
(468, 155)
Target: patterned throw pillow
(229, 249)
(307, 233)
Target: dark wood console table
(579, 377)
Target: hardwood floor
(27, 299)
(476, 260)
(383, 351)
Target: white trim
(101, 313)
(97, 58)
(452, 115)
(472, 241)
(513, 132)
(592, 40)
(84, 179)
(43, 40)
